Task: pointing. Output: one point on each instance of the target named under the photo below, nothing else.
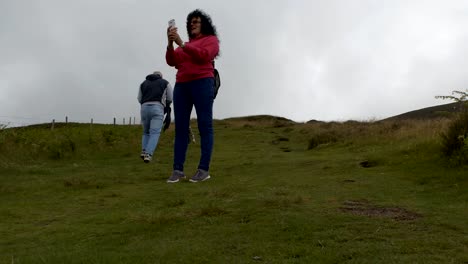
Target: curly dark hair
(207, 27)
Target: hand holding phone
(171, 23)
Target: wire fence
(16, 121)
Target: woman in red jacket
(194, 87)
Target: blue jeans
(198, 93)
(152, 116)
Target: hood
(153, 77)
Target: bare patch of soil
(365, 208)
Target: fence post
(53, 124)
(114, 121)
(66, 119)
(124, 120)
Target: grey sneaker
(147, 158)
(200, 175)
(176, 176)
(142, 154)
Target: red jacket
(193, 62)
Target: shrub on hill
(455, 139)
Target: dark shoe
(176, 176)
(200, 175)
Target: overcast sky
(299, 59)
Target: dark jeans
(198, 93)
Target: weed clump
(455, 139)
(3, 134)
(60, 147)
(322, 138)
(109, 137)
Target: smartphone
(171, 23)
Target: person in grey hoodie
(155, 97)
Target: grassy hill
(281, 192)
(433, 112)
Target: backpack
(217, 81)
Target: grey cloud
(326, 60)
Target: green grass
(80, 194)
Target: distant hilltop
(439, 111)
